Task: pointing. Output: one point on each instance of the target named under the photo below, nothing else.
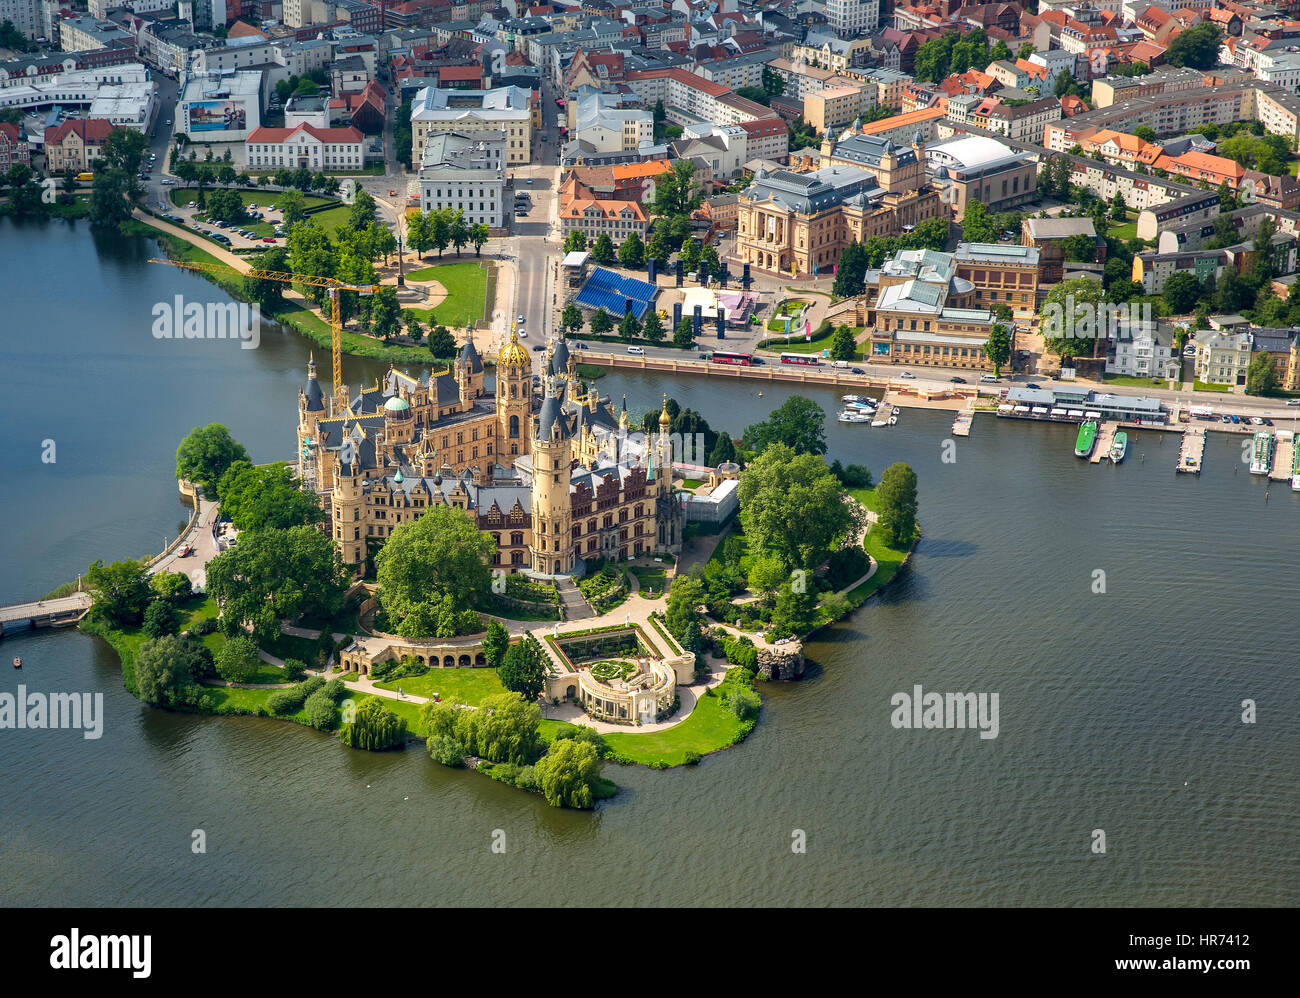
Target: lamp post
(401, 276)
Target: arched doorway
(480, 659)
(571, 693)
(449, 662)
(464, 662)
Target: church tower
(552, 549)
(514, 401)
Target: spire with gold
(513, 353)
(665, 420)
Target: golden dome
(665, 420)
(513, 353)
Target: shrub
(201, 628)
(334, 689)
(447, 750)
(744, 703)
(295, 668)
(846, 565)
(237, 660)
(692, 758)
(322, 712)
(161, 618)
(374, 728)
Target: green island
(425, 641)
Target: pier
(62, 612)
(1105, 437)
(962, 424)
(1191, 451)
(1283, 456)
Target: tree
(414, 330)
(109, 198)
(1145, 132)
(766, 574)
(503, 729)
(121, 591)
(632, 253)
(568, 774)
(160, 618)
(629, 329)
(1085, 295)
(997, 348)
(293, 207)
(653, 330)
(600, 323)
(374, 727)
(171, 587)
(269, 294)
(1026, 50)
(237, 660)
(458, 230)
(1180, 293)
(676, 193)
(690, 254)
(206, 453)
(798, 423)
(602, 251)
(478, 235)
(1197, 47)
(1261, 375)
(792, 506)
(684, 335)
(363, 211)
(850, 273)
(418, 236)
(166, 670)
(440, 229)
(843, 344)
(441, 555)
(896, 496)
(795, 612)
(681, 616)
(277, 574)
(575, 241)
(385, 312)
(660, 247)
(441, 343)
(977, 225)
(523, 670)
(1079, 247)
(495, 643)
(571, 318)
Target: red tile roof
(336, 135)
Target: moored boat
(1119, 447)
(1261, 454)
(848, 416)
(1087, 438)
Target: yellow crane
(332, 286)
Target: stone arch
(570, 693)
(514, 426)
(464, 662)
(449, 662)
(480, 659)
(420, 659)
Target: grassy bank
(466, 283)
(888, 559)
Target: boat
(847, 416)
(893, 420)
(1261, 454)
(866, 406)
(1086, 439)
(879, 422)
(1119, 447)
(1295, 464)
(861, 399)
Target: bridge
(62, 612)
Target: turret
(552, 548)
(514, 401)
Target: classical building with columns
(556, 476)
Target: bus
(721, 357)
(85, 177)
(807, 359)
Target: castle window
(514, 422)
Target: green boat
(1119, 447)
(1087, 438)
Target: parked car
(191, 205)
(1225, 419)
(520, 213)
(268, 239)
(1236, 418)
(519, 319)
(909, 375)
(957, 381)
(1033, 386)
(539, 347)
(1293, 401)
(1267, 421)
(1257, 421)
(704, 356)
(858, 370)
(168, 183)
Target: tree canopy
(798, 423)
(265, 497)
(896, 495)
(206, 454)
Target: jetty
(1283, 457)
(1191, 451)
(962, 424)
(1105, 437)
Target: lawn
(1126, 231)
(650, 579)
(888, 559)
(1201, 386)
(1132, 382)
(794, 309)
(710, 727)
(469, 686)
(466, 283)
(797, 344)
(691, 483)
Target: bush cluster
(283, 702)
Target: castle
(554, 475)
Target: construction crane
(332, 286)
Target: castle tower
(469, 372)
(514, 401)
(552, 548)
(311, 407)
(347, 506)
(399, 426)
(663, 446)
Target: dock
(1191, 451)
(962, 424)
(1105, 437)
(1283, 455)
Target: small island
(530, 582)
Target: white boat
(867, 406)
(893, 420)
(879, 422)
(853, 417)
(855, 398)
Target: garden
(466, 284)
(607, 670)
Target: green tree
(523, 670)
(843, 344)
(795, 612)
(684, 335)
(1261, 375)
(292, 206)
(266, 497)
(1180, 293)
(767, 573)
(440, 229)
(441, 554)
(374, 728)
(600, 323)
(653, 330)
(120, 590)
(160, 618)
(237, 660)
(629, 329)
(1197, 47)
(205, 454)
(997, 348)
(569, 773)
(277, 574)
(478, 235)
(792, 506)
(724, 450)
(363, 210)
(1082, 291)
(166, 670)
(503, 729)
(171, 587)
(458, 230)
(690, 254)
(495, 643)
(798, 423)
(268, 294)
(441, 343)
(575, 241)
(977, 224)
(571, 318)
(632, 253)
(418, 235)
(385, 312)
(676, 193)
(602, 251)
(896, 496)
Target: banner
(807, 330)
